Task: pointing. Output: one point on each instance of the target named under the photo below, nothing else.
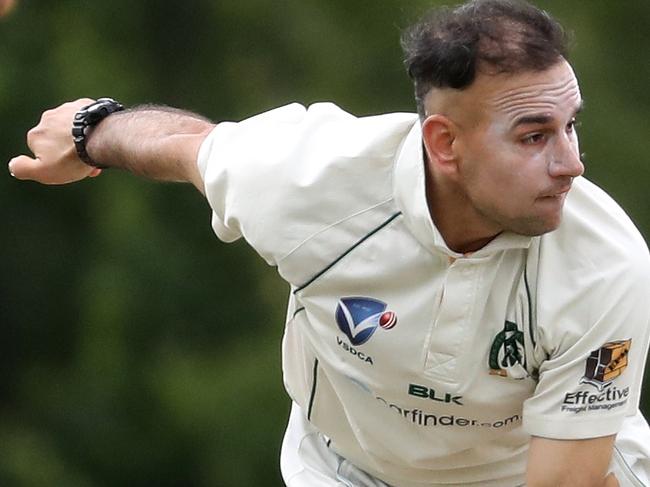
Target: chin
(534, 227)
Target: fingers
(55, 159)
(54, 129)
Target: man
(465, 308)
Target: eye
(572, 125)
(532, 139)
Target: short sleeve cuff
(211, 165)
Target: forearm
(156, 142)
(153, 141)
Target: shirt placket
(452, 322)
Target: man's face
(517, 148)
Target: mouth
(557, 193)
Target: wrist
(85, 120)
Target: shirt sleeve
(280, 177)
(242, 165)
(594, 326)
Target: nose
(566, 160)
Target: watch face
(96, 113)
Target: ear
(438, 135)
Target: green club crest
(507, 353)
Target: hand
(55, 158)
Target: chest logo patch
(507, 353)
(606, 364)
(359, 317)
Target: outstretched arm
(156, 142)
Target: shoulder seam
(350, 249)
(324, 229)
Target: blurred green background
(136, 349)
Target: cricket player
(466, 308)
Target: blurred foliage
(136, 349)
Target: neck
(462, 227)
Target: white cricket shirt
(423, 366)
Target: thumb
(35, 169)
(24, 167)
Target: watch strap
(88, 117)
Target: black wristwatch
(88, 117)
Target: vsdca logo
(359, 317)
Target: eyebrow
(542, 119)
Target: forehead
(550, 93)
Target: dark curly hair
(447, 47)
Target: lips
(556, 193)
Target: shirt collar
(410, 195)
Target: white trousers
(307, 461)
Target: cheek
(491, 184)
(499, 173)
(509, 185)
